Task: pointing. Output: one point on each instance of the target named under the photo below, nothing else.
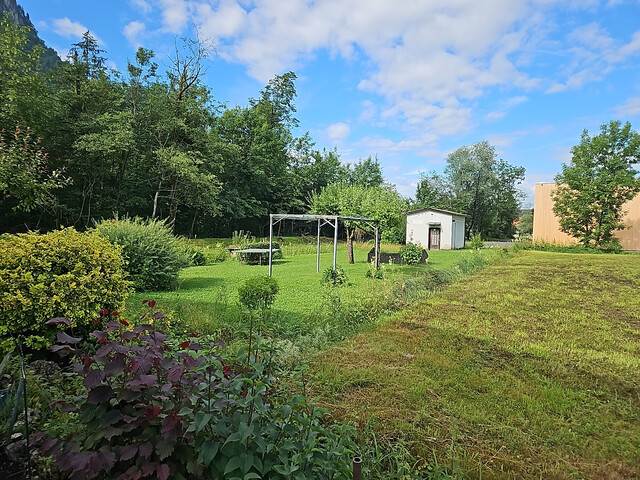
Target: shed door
(434, 239)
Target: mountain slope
(17, 14)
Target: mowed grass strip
(529, 368)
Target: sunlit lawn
(207, 295)
(529, 368)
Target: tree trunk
(155, 200)
(173, 205)
(350, 232)
(193, 223)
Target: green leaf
(208, 451)
(202, 421)
(233, 464)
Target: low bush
(411, 253)
(154, 257)
(334, 277)
(155, 410)
(61, 273)
(216, 254)
(258, 292)
(476, 242)
(194, 254)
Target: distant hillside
(49, 56)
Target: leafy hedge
(63, 273)
(154, 257)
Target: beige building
(547, 229)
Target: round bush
(63, 273)
(153, 256)
(258, 292)
(334, 277)
(411, 253)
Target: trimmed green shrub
(476, 242)
(411, 253)
(63, 273)
(334, 276)
(258, 292)
(152, 254)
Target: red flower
(115, 314)
(152, 303)
(193, 335)
(124, 322)
(185, 344)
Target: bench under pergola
(322, 220)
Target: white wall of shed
(418, 228)
(458, 231)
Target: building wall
(546, 227)
(451, 232)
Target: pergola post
(335, 242)
(318, 255)
(377, 249)
(270, 243)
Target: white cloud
(425, 57)
(69, 29)
(593, 54)
(132, 31)
(225, 21)
(493, 116)
(429, 62)
(630, 108)
(337, 132)
(141, 5)
(175, 15)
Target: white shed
(436, 229)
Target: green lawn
(529, 368)
(207, 296)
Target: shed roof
(448, 212)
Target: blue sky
(409, 81)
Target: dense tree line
(96, 143)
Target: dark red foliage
(134, 384)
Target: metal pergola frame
(322, 221)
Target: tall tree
(366, 172)
(24, 96)
(382, 203)
(479, 184)
(597, 183)
(434, 191)
(26, 180)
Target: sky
(408, 81)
